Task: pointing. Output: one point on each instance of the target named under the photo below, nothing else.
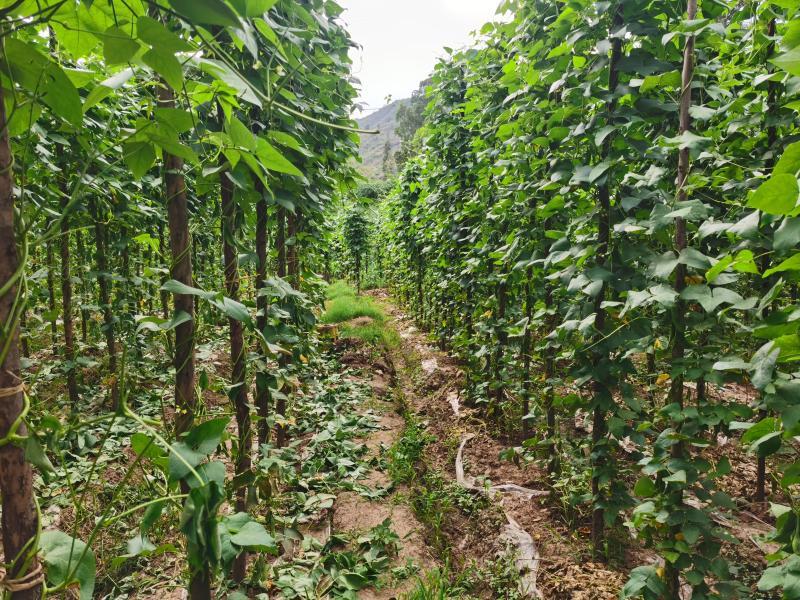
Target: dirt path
(355, 514)
(553, 556)
(523, 528)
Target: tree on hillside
(387, 162)
(410, 117)
(356, 238)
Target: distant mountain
(373, 146)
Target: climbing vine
(599, 223)
(144, 140)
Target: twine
(12, 391)
(27, 582)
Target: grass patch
(374, 333)
(496, 579)
(436, 585)
(344, 305)
(347, 308)
(407, 451)
(339, 289)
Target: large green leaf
(139, 156)
(789, 61)
(159, 38)
(196, 446)
(273, 160)
(254, 536)
(118, 46)
(206, 12)
(777, 195)
(789, 162)
(790, 264)
(231, 77)
(165, 64)
(68, 562)
(43, 79)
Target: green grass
(498, 578)
(407, 451)
(339, 289)
(347, 308)
(375, 334)
(435, 585)
(344, 305)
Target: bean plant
(600, 224)
(176, 156)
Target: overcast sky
(401, 40)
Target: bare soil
(431, 382)
(355, 514)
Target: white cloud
(474, 9)
(402, 39)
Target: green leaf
(145, 446)
(206, 12)
(745, 262)
(789, 347)
(139, 545)
(718, 268)
(154, 34)
(207, 436)
(177, 118)
(233, 309)
(118, 46)
(771, 578)
(787, 235)
(22, 116)
(224, 73)
(353, 581)
(274, 160)
(166, 65)
(44, 79)
(789, 162)
(254, 536)
(790, 264)
(598, 171)
(691, 533)
(768, 444)
(159, 325)
(285, 139)
(735, 364)
(139, 156)
(644, 578)
(256, 8)
(777, 195)
(106, 88)
(64, 555)
(689, 140)
(35, 454)
(677, 477)
(176, 287)
(151, 514)
(645, 488)
(196, 446)
(763, 427)
(763, 364)
(789, 61)
(167, 139)
(663, 266)
(241, 136)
